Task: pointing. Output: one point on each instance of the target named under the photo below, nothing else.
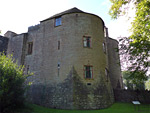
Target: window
(30, 46)
(106, 73)
(104, 47)
(88, 72)
(58, 65)
(28, 69)
(87, 41)
(58, 21)
(58, 45)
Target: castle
(75, 63)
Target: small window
(58, 45)
(58, 21)
(28, 69)
(87, 41)
(106, 73)
(58, 65)
(104, 47)
(88, 72)
(30, 46)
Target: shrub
(12, 87)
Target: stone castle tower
(74, 61)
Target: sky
(18, 15)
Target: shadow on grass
(27, 108)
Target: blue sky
(18, 15)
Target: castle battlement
(32, 28)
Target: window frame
(58, 21)
(85, 71)
(87, 42)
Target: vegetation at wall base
(12, 87)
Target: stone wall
(3, 44)
(10, 34)
(114, 64)
(65, 87)
(54, 96)
(71, 53)
(73, 93)
(96, 96)
(131, 95)
(16, 46)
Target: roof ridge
(72, 10)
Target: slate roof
(73, 10)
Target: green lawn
(115, 108)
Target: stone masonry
(3, 44)
(56, 52)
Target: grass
(115, 108)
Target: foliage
(147, 84)
(138, 48)
(134, 80)
(12, 86)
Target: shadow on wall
(71, 94)
(129, 95)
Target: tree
(138, 48)
(134, 80)
(147, 84)
(12, 85)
